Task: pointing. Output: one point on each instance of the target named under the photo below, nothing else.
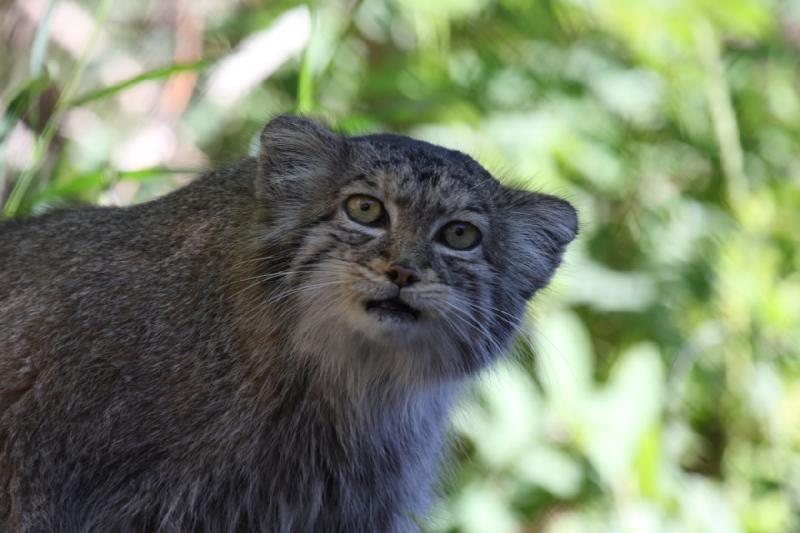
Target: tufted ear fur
(295, 150)
(540, 226)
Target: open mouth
(393, 307)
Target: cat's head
(402, 255)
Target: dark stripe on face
(470, 280)
(361, 178)
(403, 201)
(451, 270)
(314, 257)
(327, 217)
(352, 238)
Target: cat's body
(216, 360)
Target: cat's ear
(540, 228)
(296, 150)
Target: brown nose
(401, 275)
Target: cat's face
(404, 250)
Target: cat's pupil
(365, 206)
(459, 230)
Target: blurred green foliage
(658, 388)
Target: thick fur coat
(210, 361)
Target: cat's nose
(401, 275)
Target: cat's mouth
(392, 307)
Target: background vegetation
(659, 387)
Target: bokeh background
(658, 387)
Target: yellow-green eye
(460, 235)
(364, 209)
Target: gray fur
(203, 362)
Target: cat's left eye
(460, 235)
(365, 209)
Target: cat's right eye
(365, 209)
(460, 235)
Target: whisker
(477, 326)
(527, 337)
(303, 288)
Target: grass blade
(144, 174)
(305, 80)
(40, 41)
(155, 74)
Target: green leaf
(483, 508)
(512, 415)
(73, 188)
(23, 100)
(551, 469)
(564, 358)
(649, 461)
(617, 418)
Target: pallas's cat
(273, 347)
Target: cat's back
(53, 244)
(80, 283)
(50, 263)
